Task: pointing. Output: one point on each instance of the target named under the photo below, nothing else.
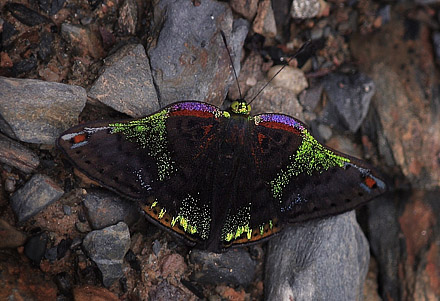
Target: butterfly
(220, 178)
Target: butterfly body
(220, 178)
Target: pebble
(107, 248)
(35, 247)
(290, 78)
(36, 111)
(10, 237)
(38, 193)
(126, 84)
(264, 22)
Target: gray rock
(107, 248)
(38, 193)
(189, 59)
(318, 260)
(37, 111)
(126, 84)
(349, 99)
(233, 267)
(105, 208)
(305, 9)
(16, 155)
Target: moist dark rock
(10, 237)
(51, 254)
(63, 247)
(8, 32)
(38, 193)
(64, 283)
(349, 98)
(26, 15)
(189, 59)
(232, 267)
(104, 209)
(126, 83)
(35, 247)
(46, 49)
(37, 111)
(318, 260)
(107, 248)
(24, 65)
(51, 7)
(16, 155)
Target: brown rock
(264, 22)
(9, 236)
(246, 8)
(93, 293)
(16, 155)
(172, 264)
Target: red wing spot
(201, 114)
(79, 138)
(370, 182)
(207, 129)
(261, 137)
(280, 126)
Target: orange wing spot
(280, 126)
(207, 129)
(201, 114)
(261, 137)
(79, 138)
(370, 182)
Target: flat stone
(16, 155)
(104, 209)
(126, 83)
(232, 267)
(38, 193)
(311, 261)
(107, 248)
(290, 78)
(36, 111)
(189, 59)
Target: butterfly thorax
(241, 107)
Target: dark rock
(36, 111)
(38, 193)
(311, 261)
(64, 283)
(35, 247)
(133, 261)
(67, 210)
(8, 32)
(10, 237)
(349, 98)
(189, 59)
(128, 17)
(46, 50)
(10, 183)
(83, 40)
(24, 66)
(157, 246)
(166, 291)
(51, 254)
(126, 84)
(63, 247)
(26, 15)
(16, 155)
(233, 267)
(104, 209)
(436, 44)
(51, 7)
(107, 248)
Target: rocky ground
(368, 85)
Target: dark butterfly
(220, 178)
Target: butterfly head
(241, 107)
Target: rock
(166, 291)
(126, 84)
(232, 267)
(305, 9)
(51, 7)
(64, 283)
(310, 261)
(36, 111)
(83, 40)
(10, 237)
(274, 100)
(189, 59)
(349, 98)
(16, 155)
(172, 264)
(104, 209)
(26, 15)
(246, 8)
(290, 78)
(264, 22)
(35, 247)
(38, 193)
(88, 292)
(107, 248)
(128, 18)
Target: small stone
(126, 83)
(166, 291)
(10, 183)
(104, 209)
(305, 9)
(38, 193)
(10, 237)
(35, 247)
(232, 267)
(67, 210)
(64, 283)
(290, 78)
(172, 264)
(246, 8)
(37, 111)
(264, 22)
(128, 17)
(16, 155)
(26, 15)
(83, 40)
(107, 248)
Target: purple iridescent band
(281, 119)
(194, 106)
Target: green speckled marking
(311, 156)
(194, 217)
(237, 224)
(150, 132)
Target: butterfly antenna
(232, 63)
(304, 46)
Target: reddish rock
(172, 264)
(9, 236)
(93, 293)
